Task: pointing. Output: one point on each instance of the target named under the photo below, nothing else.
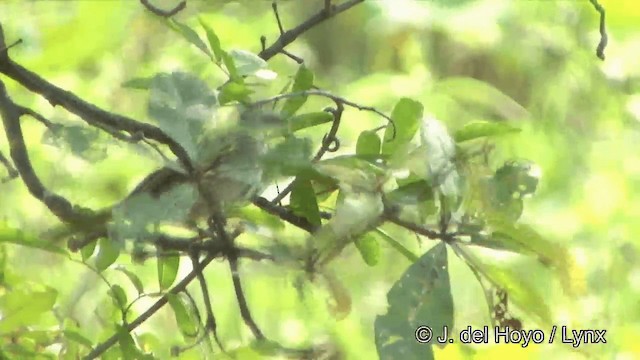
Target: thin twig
(104, 346)
(604, 38)
(274, 6)
(12, 173)
(211, 319)
(164, 13)
(284, 214)
(5, 49)
(290, 36)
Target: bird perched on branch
(227, 171)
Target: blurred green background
(580, 119)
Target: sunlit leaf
(76, 337)
(368, 144)
(23, 307)
(369, 248)
(214, 41)
(190, 35)
(352, 173)
(517, 284)
(422, 297)
(303, 81)
(303, 121)
(229, 63)
(288, 158)
(480, 129)
(186, 323)
(108, 253)
(143, 83)
(182, 104)
(234, 91)
(14, 236)
(406, 115)
(247, 63)
(472, 91)
(135, 280)
(127, 345)
(167, 270)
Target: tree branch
(604, 38)
(290, 36)
(164, 13)
(90, 113)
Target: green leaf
(422, 297)
(135, 280)
(182, 104)
(14, 236)
(23, 307)
(303, 81)
(190, 35)
(127, 345)
(247, 63)
(108, 253)
(480, 129)
(406, 115)
(138, 83)
(288, 158)
(476, 92)
(412, 193)
(88, 250)
(214, 41)
(303, 121)
(167, 270)
(368, 144)
(76, 337)
(119, 296)
(369, 248)
(80, 140)
(303, 200)
(234, 91)
(231, 67)
(515, 280)
(187, 325)
(353, 173)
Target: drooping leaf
(77, 337)
(303, 121)
(303, 81)
(247, 63)
(167, 270)
(119, 296)
(127, 345)
(397, 246)
(368, 144)
(516, 282)
(190, 35)
(406, 115)
(475, 92)
(214, 41)
(480, 129)
(303, 200)
(23, 307)
(143, 83)
(369, 248)
(182, 104)
(108, 253)
(135, 280)
(422, 297)
(11, 235)
(186, 323)
(87, 251)
(230, 64)
(412, 193)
